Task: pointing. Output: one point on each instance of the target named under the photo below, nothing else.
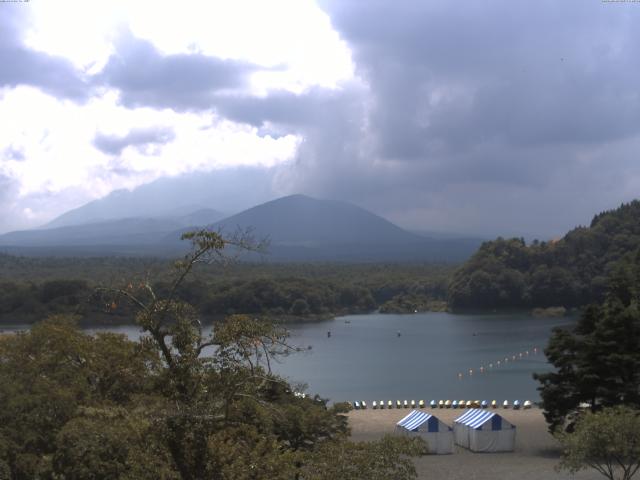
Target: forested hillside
(32, 288)
(568, 272)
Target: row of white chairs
(362, 405)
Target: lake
(365, 359)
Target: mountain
(569, 272)
(299, 228)
(107, 237)
(302, 221)
(230, 190)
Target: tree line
(279, 291)
(569, 272)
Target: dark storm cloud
(138, 137)
(23, 66)
(470, 104)
(145, 77)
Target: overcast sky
(491, 118)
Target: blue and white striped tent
(438, 435)
(484, 431)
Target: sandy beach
(535, 456)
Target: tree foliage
(568, 272)
(607, 441)
(178, 404)
(598, 362)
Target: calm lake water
(365, 359)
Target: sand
(535, 456)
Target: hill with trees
(569, 272)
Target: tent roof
(476, 417)
(414, 420)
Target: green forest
(32, 288)
(505, 273)
(569, 272)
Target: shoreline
(535, 457)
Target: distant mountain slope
(298, 220)
(300, 228)
(568, 272)
(224, 190)
(125, 231)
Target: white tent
(484, 431)
(438, 435)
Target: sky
(484, 118)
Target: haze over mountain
(299, 228)
(176, 197)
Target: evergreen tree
(598, 363)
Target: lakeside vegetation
(32, 287)
(569, 272)
(78, 406)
